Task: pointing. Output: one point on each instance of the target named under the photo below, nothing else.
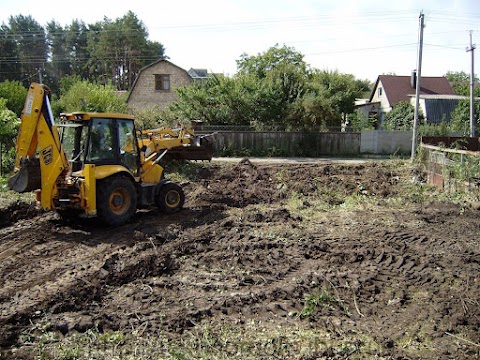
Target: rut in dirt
(240, 252)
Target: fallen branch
(465, 340)
(356, 305)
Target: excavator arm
(40, 159)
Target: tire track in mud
(222, 261)
(48, 271)
(251, 271)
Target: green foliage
(359, 121)
(218, 100)
(111, 51)
(341, 90)
(460, 82)
(120, 45)
(442, 129)
(148, 118)
(318, 112)
(401, 117)
(85, 96)
(272, 90)
(461, 117)
(31, 44)
(276, 59)
(9, 70)
(9, 124)
(321, 298)
(14, 93)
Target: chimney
(413, 79)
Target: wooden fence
(288, 143)
(317, 144)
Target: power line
(363, 49)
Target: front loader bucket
(189, 153)
(28, 178)
(200, 149)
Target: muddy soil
(272, 252)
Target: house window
(380, 90)
(162, 82)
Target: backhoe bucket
(28, 178)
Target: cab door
(128, 145)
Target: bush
(85, 96)
(9, 124)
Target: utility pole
(472, 90)
(417, 88)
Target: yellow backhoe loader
(97, 164)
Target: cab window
(101, 145)
(129, 154)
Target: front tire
(170, 198)
(116, 200)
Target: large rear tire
(116, 200)
(170, 198)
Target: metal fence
(452, 169)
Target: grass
(252, 340)
(315, 300)
(8, 196)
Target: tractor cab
(99, 139)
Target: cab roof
(93, 115)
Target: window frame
(162, 82)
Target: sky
(365, 38)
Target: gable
(146, 92)
(158, 67)
(198, 74)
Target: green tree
(461, 117)
(359, 121)
(330, 98)
(9, 124)
(59, 64)
(76, 42)
(123, 49)
(281, 75)
(31, 44)
(14, 94)
(460, 82)
(316, 112)
(341, 90)
(9, 61)
(219, 100)
(85, 96)
(401, 117)
(274, 89)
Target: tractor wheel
(170, 198)
(116, 200)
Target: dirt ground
(266, 261)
